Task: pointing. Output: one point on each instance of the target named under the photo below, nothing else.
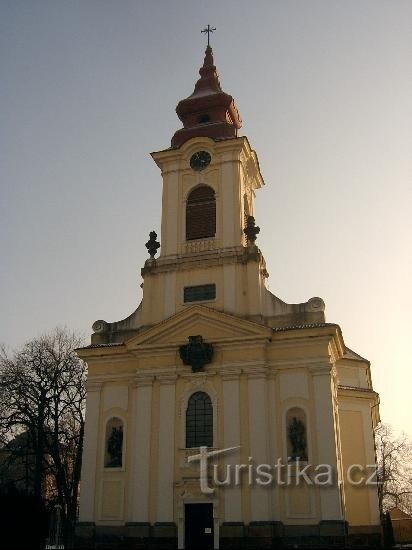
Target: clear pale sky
(88, 88)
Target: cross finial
(208, 30)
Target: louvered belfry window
(199, 421)
(201, 213)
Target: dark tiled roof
(309, 325)
(112, 345)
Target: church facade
(219, 416)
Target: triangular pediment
(211, 324)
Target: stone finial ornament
(100, 326)
(152, 245)
(251, 230)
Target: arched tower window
(113, 457)
(201, 213)
(297, 440)
(199, 421)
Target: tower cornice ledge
(173, 159)
(206, 258)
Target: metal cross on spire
(208, 30)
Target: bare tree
(394, 457)
(42, 395)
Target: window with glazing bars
(199, 293)
(199, 421)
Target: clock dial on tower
(200, 160)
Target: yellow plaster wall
(289, 381)
(353, 452)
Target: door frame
(181, 520)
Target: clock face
(199, 160)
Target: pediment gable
(211, 324)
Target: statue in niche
(297, 438)
(115, 447)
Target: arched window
(113, 457)
(297, 441)
(199, 421)
(201, 213)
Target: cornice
(233, 343)
(110, 377)
(174, 160)
(93, 385)
(287, 364)
(362, 393)
(108, 351)
(230, 373)
(300, 335)
(171, 155)
(190, 375)
(245, 328)
(321, 369)
(143, 379)
(258, 371)
(101, 359)
(166, 376)
(207, 259)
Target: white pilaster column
(331, 507)
(258, 439)
(231, 436)
(89, 460)
(254, 286)
(170, 212)
(226, 206)
(274, 433)
(165, 488)
(140, 448)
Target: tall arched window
(201, 213)
(199, 421)
(297, 440)
(113, 457)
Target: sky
(89, 88)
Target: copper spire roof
(209, 111)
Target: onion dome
(209, 111)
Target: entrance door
(199, 526)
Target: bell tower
(208, 252)
(210, 176)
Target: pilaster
(165, 493)
(90, 449)
(258, 425)
(232, 421)
(330, 498)
(141, 407)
